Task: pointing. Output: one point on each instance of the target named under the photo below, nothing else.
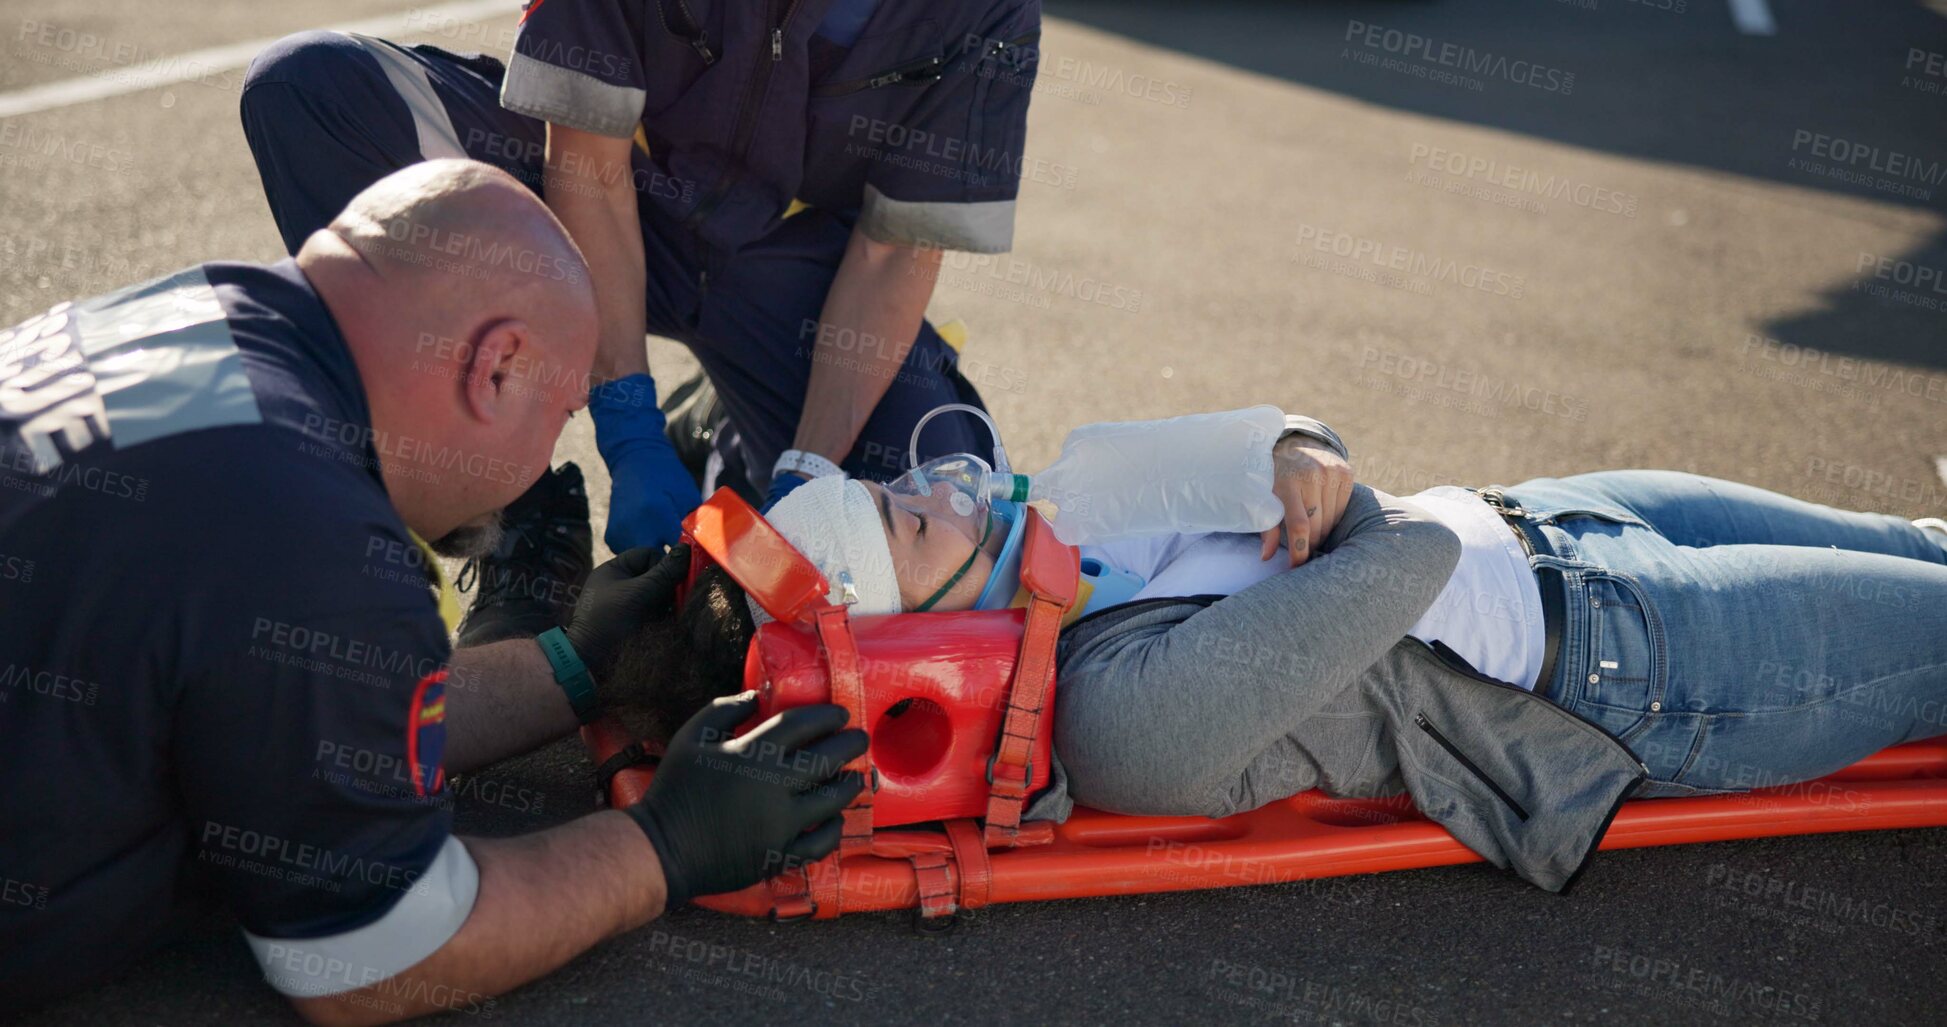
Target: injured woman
(1518, 659)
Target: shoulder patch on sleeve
(426, 734)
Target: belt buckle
(1511, 514)
(1498, 499)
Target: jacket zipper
(1472, 767)
(690, 31)
(1000, 45)
(748, 108)
(925, 70)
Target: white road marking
(1753, 18)
(198, 64)
(1940, 468)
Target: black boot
(528, 584)
(699, 428)
(692, 413)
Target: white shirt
(1489, 611)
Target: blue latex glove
(652, 490)
(782, 486)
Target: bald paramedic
(224, 675)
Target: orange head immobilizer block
(952, 730)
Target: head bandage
(835, 524)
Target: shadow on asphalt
(1672, 81)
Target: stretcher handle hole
(911, 739)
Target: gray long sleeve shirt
(1213, 705)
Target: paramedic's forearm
(589, 186)
(544, 898)
(501, 701)
(872, 315)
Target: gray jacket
(1212, 705)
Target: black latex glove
(634, 587)
(725, 813)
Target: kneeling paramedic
(770, 186)
(223, 673)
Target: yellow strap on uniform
(953, 333)
(448, 597)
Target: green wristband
(569, 672)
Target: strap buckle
(1020, 775)
(634, 754)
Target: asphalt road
(1677, 265)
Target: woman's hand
(1314, 483)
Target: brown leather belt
(1554, 591)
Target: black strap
(1554, 610)
(634, 754)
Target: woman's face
(930, 543)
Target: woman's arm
(1188, 705)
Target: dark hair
(672, 667)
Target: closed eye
(922, 525)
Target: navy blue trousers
(328, 114)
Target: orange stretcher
(942, 829)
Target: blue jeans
(1735, 638)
